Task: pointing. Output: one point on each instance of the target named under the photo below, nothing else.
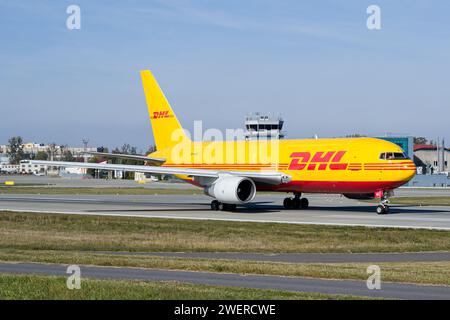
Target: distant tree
(420, 140)
(102, 149)
(67, 156)
(151, 149)
(51, 150)
(94, 159)
(125, 149)
(15, 149)
(41, 155)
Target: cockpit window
(393, 156)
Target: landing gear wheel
(229, 207)
(304, 203)
(215, 205)
(296, 203)
(288, 203)
(382, 209)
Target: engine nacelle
(360, 196)
(232, 190)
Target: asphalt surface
(348, 287)
(76, 182)
(299, 257)
(324, 209)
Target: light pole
(85, 145)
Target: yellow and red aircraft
(233, 171)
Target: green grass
(412, 272)
(33, 231)
(74, 239)
(96, 191)
(32, 287)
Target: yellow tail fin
(167, 131)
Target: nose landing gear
(296, 202)
(383, 207)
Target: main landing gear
(296, 202)
(216, 206)
(383, 207)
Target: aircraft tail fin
(167, 131)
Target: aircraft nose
(409, 169)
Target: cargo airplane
(358, 168)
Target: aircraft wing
(155, 161)
(266, 177)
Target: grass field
(74, 239)
(412, 272)
(26, 287)
(32, 231)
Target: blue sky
(315, 62)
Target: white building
(263, 126)
(7, 168)
(427, 157)
(26, 168)
(32, 148)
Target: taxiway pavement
(299, 284)
(324, 209)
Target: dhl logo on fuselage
(161, 115)
(320, 160)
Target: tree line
(15, 152)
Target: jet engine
(360, 196)
(232, 190)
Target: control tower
(263, 126)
